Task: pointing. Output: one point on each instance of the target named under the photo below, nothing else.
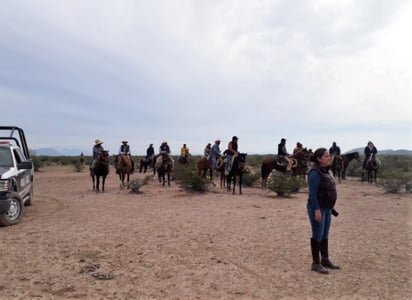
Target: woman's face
(325, 160)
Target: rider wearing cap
(283, 154)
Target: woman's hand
(318, 215)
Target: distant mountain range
(60, 152)
(384, 152)
(76, 152)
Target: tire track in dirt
(35, 213)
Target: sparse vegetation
(135, 184)
(284, 184)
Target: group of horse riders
(212, 153)
(370, 152)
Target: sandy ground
(165, 243)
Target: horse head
(104, 156)
(241, 160)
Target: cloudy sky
(188, 71)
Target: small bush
(189, 180)
(284, 184)
(394, 182)
(249, 179)
(135, 184)
(78, 166)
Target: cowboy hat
(98, 142)
(124, 141)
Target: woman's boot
(316, 265)
(324, 252)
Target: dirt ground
(164, 243)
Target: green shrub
(284, 184)
(395, 181)
(78, 166)
(135, 184)
(249, 179)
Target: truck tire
(13, 215)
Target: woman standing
(322, 198)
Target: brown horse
(203, 165)
(164, 166)
(100, 168)
(123, 165)
(299, 165)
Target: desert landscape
(166, 243)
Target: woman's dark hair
(318, 154)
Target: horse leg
(234, 184)
(240, 183)
(97, 183)
(168, 178)
(103, 182)
(94, 184)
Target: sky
(188, 71)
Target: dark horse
(146, 162)
(164, 166)
(203, 165)
(123, 165)
(238, 168)
(299, 165)
(184, 160)
(220, 168)
(100, 169)
(347, 158)
(371, 168)
(337, 166)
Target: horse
(371, 168)
(238, 168)
(347, 158)
(298, 165)
(164, 166)
(184, 160)
(203, 165)
(337, 166)
(220, 168)
(100, 169)
(124, 167)
(302, 157)
(146, 162)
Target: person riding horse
(150, 154)
(164, 152)
(334, 150)
(215, 154)
(184, 154)
(298, 148)
(125, 150)
(370, 151)
(207, 151)
(232, 151)
(97, 150)
(283, 155)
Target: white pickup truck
(16, 175)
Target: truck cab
(16, 175)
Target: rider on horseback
(283, 155)
(207, 151)
(232, 151)
(150, 154)
(298, 148)
(334, 150)
(215, 154)
(125, 150)
(164, 151)
(370, 152)
(184, 153)
(97, 150)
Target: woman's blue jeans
(320, 230)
